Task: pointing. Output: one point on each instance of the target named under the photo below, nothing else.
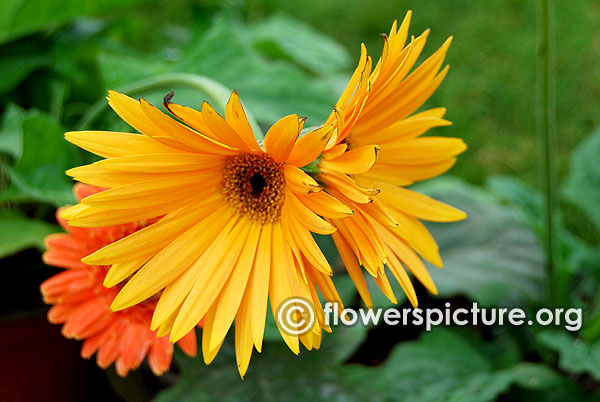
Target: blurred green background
(489, 93)
(58, 59)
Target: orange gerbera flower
(376, 152)
(237, 221)
(81, 302)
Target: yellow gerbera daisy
(236, 219)
(376, 151)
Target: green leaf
(517, 193)
(271, 331)
(581, 187)
(22, 17)
(17, 62)
(19, 233)
(270, 90)
(573, 250)
(492, 256)
(11, 131)
(20, 190)
(575, 355)
(40, 172)
(125, 66)
(274, 375)
(285, 38)
(441, 365)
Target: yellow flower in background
(376, 151)
(237, 219)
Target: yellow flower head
(235, 217)
(376, 151)
(235, 226)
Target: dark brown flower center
(254, 185)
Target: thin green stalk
(215, 91)
(546, 139)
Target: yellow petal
(222, 129)
(355, 161)
(192, 118)
(153, 237)
(385, 86)
(237, 119)
(353, 268)
(355, 79)
(208, 353)
(110, 144)
(159, 191)
(300, 182)
(307, 244)
(160, 163)
(281, 137)
(407, 128)
(170, 262)
(102, 177)
(325, 205)
(82, 215)
(326, 286)
(404, 105)
(412, 231)
(314, 297)
(309, 146)
(167, 324)
(229, 299)
(402, 278)
(421, 151)
(259, 286)
(368, 242)
(420, 205)
(384, 284)
(131, 112)
(217, 265)
(378, 211)
(343, 187)
(306, 217)
(335, 151)
(280, 288)
(176, 292)
(404, 175)
(123, 270)
(243, 334)
(409, 258)
(182, 133)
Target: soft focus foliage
(493, 257)
(454, 369)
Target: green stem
(546, 139)
(214, 90)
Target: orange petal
(189, 344)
